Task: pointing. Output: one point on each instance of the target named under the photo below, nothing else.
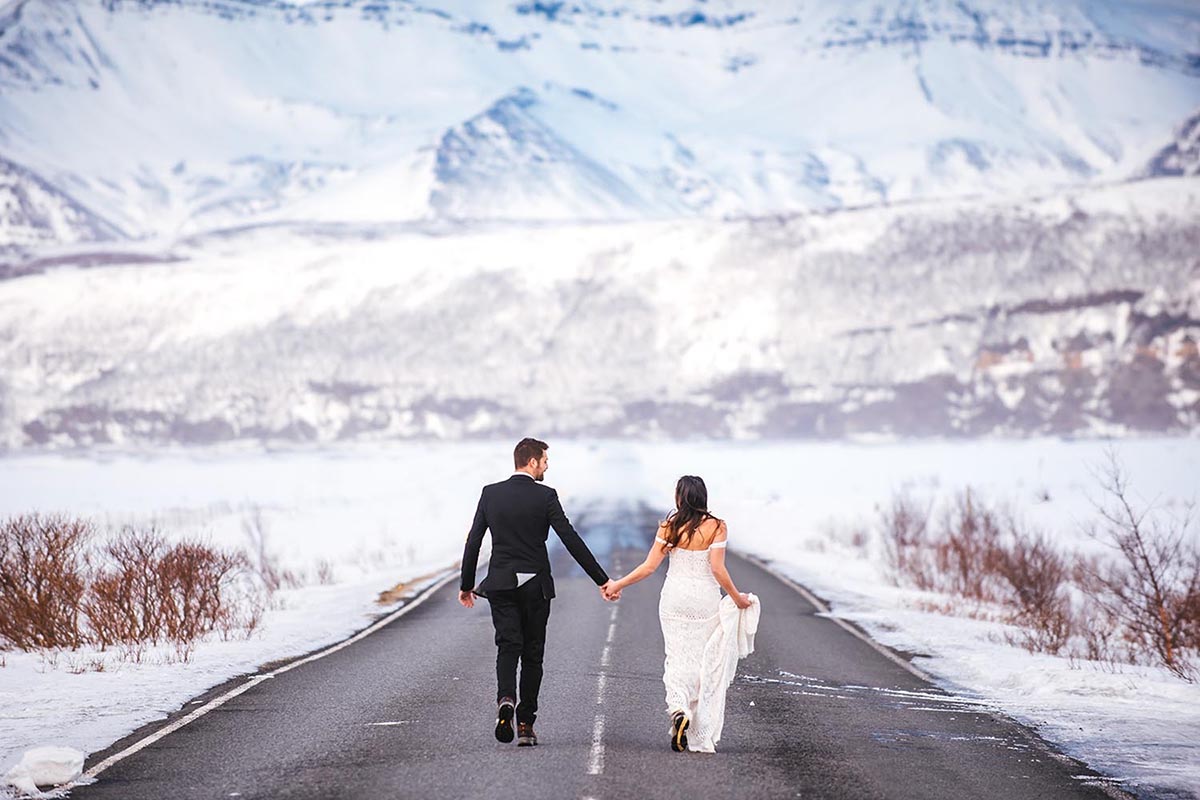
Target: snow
(365, 332)
(378, 514)
(801, 506)
(375, 523)
(45, 766)
(285, 112)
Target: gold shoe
(679, 726)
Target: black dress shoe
(504, 720)
(679, 726)
(525, 735)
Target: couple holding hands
(704, 634)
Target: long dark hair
(691, 510)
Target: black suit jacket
(520, 512)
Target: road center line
(596, 757)
(596, 762)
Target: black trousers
(519, 617)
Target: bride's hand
(742, 600)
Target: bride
(704, 636)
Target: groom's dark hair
(526, 449)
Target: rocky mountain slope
(1076, 314)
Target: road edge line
(89, 775)
(1033, 737)
(823, 608)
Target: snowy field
(371, 516)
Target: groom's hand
(467, 599)
(609, 592)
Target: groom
(520, 512)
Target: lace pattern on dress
(688, 611)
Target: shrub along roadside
(43, 579)
(64, 586)
(1139, 605)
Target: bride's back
(698, 540)
(689, 559)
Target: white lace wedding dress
(702, 650)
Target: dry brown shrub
(1037, 578)
(961, 554)
(151, 592)
(124, 603)
(906, 542)
(60, 590)
(194, 577)
(967, 549)
(43, 564)
(1190, 606)
(1151, 587)
(1100, 633)
(977, 552)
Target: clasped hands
(607, 591)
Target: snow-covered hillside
(34, 214)
(1075, 314)
(162, 118)
(1182, 156)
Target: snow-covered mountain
(164, 118)
(34, 214)
(1182, 156)
(334, 220)
(1076, 314)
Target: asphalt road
(407, 712)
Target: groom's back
(518, 513)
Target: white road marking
(397, 722)
(1112, 791)
(90, 775)
(596, 762)
(596, 758)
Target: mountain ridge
(638, 110)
